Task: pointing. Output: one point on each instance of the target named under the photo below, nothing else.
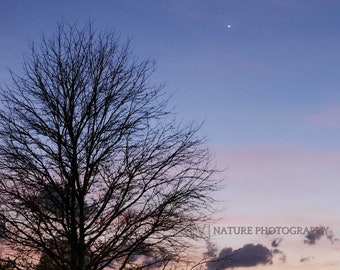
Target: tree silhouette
(91, 161)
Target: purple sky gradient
(267, 89)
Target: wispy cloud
(326, 118)
(319, 232)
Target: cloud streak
(305, 259)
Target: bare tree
(95, 172)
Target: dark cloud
(282, 255)
(157, 258)
(276, 242)
(317, 233)
(211, 250)
(314, 235)
(276, 251)
(222, 261)
(247, 256)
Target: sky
(266, 89)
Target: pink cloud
(285, 183)
(278, 166)
(326, 118)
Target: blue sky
(267, 89)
